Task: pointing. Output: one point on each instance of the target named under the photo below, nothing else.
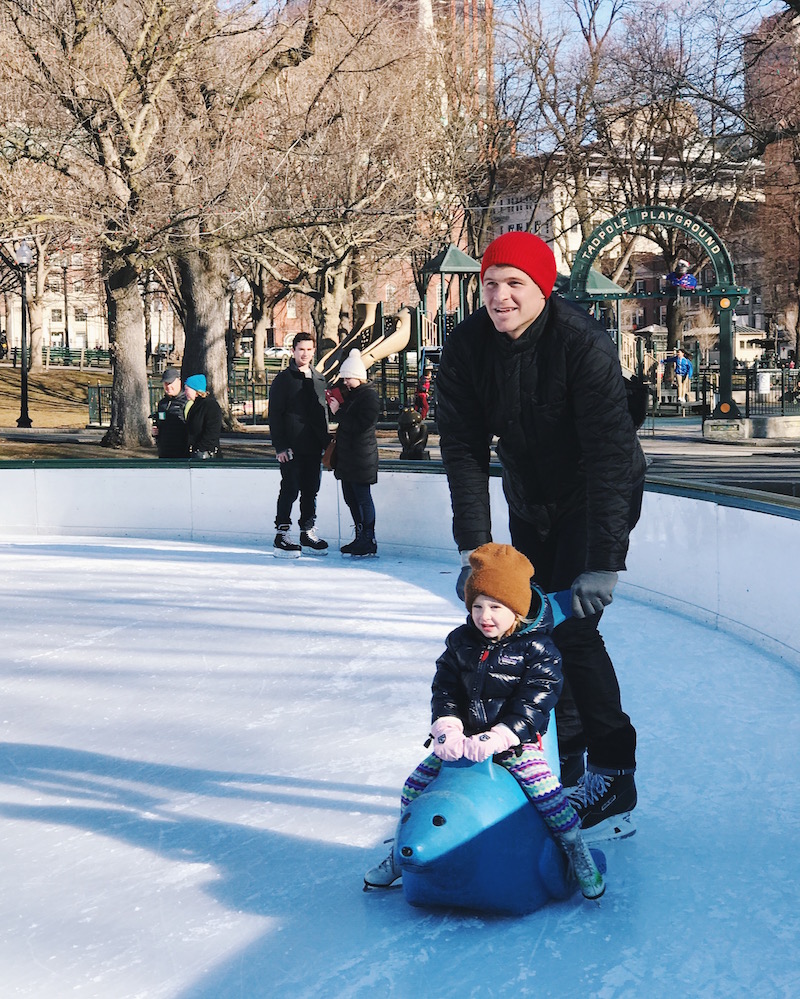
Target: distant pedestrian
(203, 420)
(422, 396)
(298, 423)
(357, 452)
(683, 370)
(169, 419)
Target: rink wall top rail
(757, 500)
(723, 555)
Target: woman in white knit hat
(357, 452)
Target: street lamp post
(24, 256)
(64, 266)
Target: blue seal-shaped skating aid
(472, 840)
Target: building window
(391, 293)
(291, 308)
(56, 316)
(81, 316)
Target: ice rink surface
(202, 752)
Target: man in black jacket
(541, 376)
(298, 423)
(169, 419)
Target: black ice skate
(311, 544)
(604, 804)
(364, 545)
(283, 546)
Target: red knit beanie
(527, 252)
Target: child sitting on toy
(495, 685)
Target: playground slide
(367, 336)
(397, 332)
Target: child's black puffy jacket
(514, 682)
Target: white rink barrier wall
(728, 560)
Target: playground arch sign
(725, 293)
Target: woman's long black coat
(356, 439)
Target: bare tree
(340, 162)
(93, 91)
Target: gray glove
(591, 592)
(463, 576)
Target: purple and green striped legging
(532, 772)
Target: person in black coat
(357, 452)
(203, 420)
(540, 375)
(298, 423)
(169, 419)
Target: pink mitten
(448, 738)
(497, 740)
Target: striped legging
(532, 772)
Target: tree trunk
(35, 335)
(130, 399)
(204, 278)
(676, 313)
(261, 321)
(260, 328)
(797, 334)
(36, 286)
(329, 303)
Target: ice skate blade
(280, 553)
(348, 555)
(613, 828)
(313, 552)
(398, 883)
(594, 898)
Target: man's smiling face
(513, 299)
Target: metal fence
(772, 392)
(758, 391)
(82, 357)
(100, 405)
(248, 400)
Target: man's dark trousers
(589, 712)
(300, 476)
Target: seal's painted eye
(439, 820)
